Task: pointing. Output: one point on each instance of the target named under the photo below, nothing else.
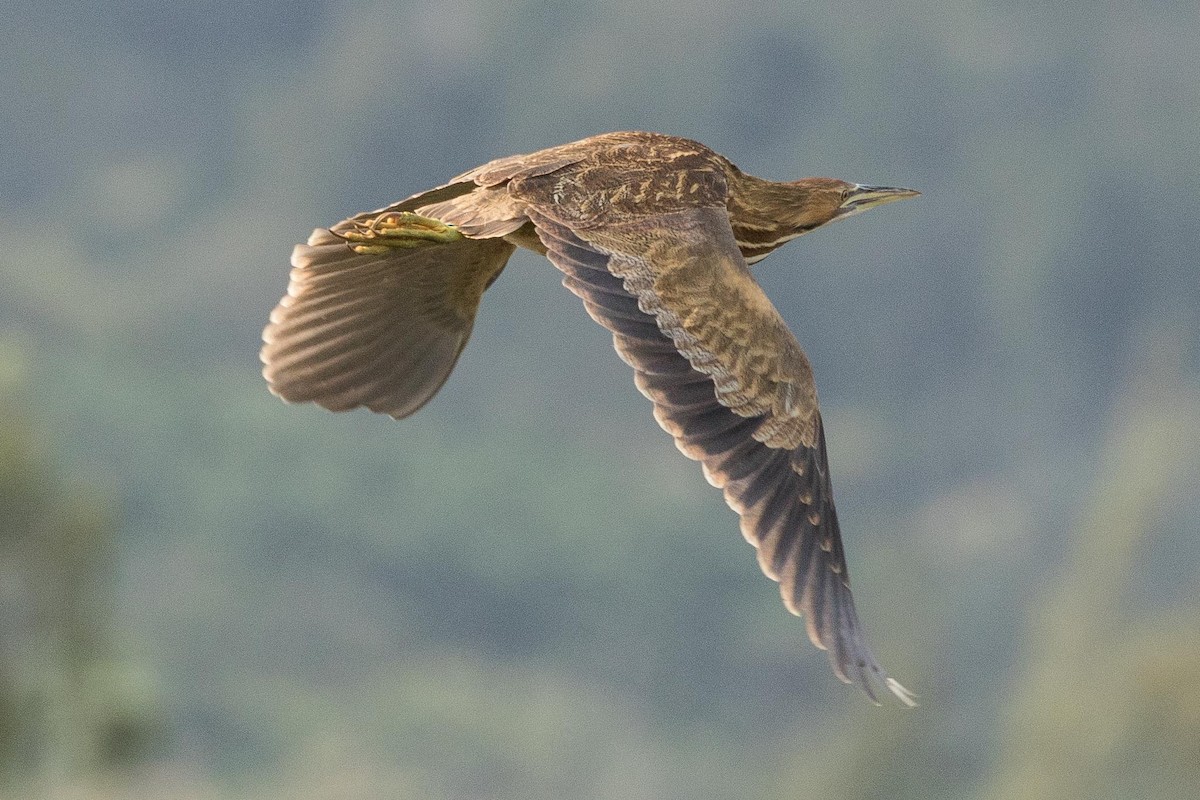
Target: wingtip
(908, 698)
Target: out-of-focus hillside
(524, 591)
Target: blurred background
(524, 591)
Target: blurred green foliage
(1108, 705)
(70, 704)
(524, 591)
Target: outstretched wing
(731, 384)
(381, 330)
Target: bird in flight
(655, 234)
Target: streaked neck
(764, 215)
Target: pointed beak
(863, 197)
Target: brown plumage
(654, 233)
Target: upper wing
(384, 328)
(731, 384)
(381, 330)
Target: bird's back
(611, 177)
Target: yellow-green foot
(392, 229)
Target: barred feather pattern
(783, 495)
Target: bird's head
(766, 214)
(818, 201)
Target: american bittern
(655, 234)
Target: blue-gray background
(525, 591)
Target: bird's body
(654, 233)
